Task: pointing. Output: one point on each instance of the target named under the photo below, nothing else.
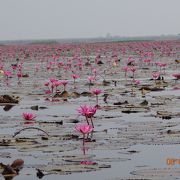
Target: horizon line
(97, 37)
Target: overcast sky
(47, 19)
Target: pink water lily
(155, 75)
(130, 60)
(52, 84)
(94, 70)
(19, 75)
(136, 82)
(88, 163)
(46, 84)
(48, 91)
(176, 75)
(53, 80)
(75, 76)
(57, 83)
(29, 116)
(88, 112)
(91, 79)
(147, 60)
(84, 129)
(161, 65)
(64, 83)
(133, 69)
(96, 92)
(125, 69)
(92, 111)
(7, 74)
(14, 66)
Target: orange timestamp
(172, 161)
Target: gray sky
(46, 19)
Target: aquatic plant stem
(96, 99)
(83, 140)
(87, 120)
(92, 122)
(18, 132)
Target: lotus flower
(94, 71)
(84, 129)
(96, 92)
(7, 74)
(133, 69)
(53, 80)
(75, 76)
(125, 69)
(46, 83)
(176, 75)
(28, 116)
(19, 75)
(155, 75)
(136, 82)
(88, 163)
(88, 112)
(91, 78)
(64, 83)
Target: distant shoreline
(92, 40)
